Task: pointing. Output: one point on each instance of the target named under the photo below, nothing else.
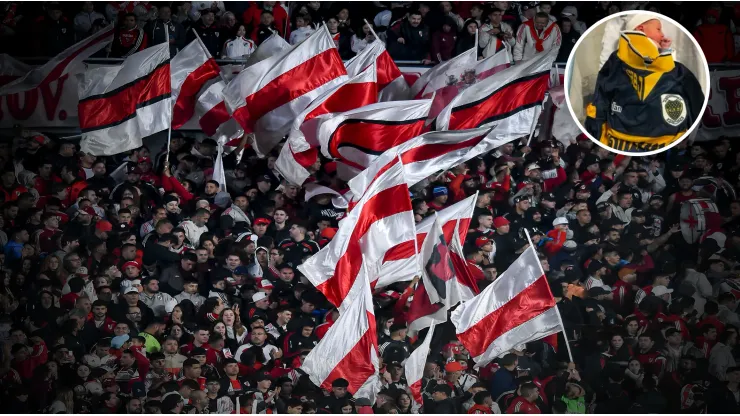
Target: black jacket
(721, 400)
(416, 42)
(212, 37)
(155, 31)
(632, 110)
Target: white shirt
(239, 48)
(299, 35)
(266, 349)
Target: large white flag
(516, 308)
(120, 105)
(266, 97)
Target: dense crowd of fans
(133, 284)
(427, 32)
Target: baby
(652, 27)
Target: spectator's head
(207, 17)
(728, 338)
(415, 18)
(339, 387)
(733, 374)
(54, 10)
(129, 21)
(647, 24)
(529, 392)
(267, 18)
(471, 27)
(645, 342)
(441, 392)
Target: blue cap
(242, 270)
(117, 342)
(440, 190)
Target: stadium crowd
(435, 32)
(151, 291)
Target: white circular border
(706, 74)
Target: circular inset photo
(637, 83)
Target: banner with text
(722, 116)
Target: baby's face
(653, 29)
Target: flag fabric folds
(69, 62)
(301, 150)
(265, 98)
(437, 151)
(391, 84)
(356, 137)
(383, 218)
(414, 367)
(400, 263)
(516, 308)
(197, 93)
(120, 105)
(349, 350)
(433, 294)
(271, 46)
(514, 90)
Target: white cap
(259, 296)
(637, 19)
(559, 221)
(661, 290)
(130, 289)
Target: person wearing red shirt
(46, 236)
(711, 309)
(130, 38)
(191, 370)
(525, 403)
(648, 356)
(200, 339)
(715, 39)
(439, 202)
(251, 18)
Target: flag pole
(560, 318)
(537, 113)
(375, 35)
(169, 129)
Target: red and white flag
(269, 47)
(493, 64)
(120, 105)
(391, 84)
(382, 219)
(69, 62)
(513, 92)
(436, 151)
(516, 308)
(349, 350)
(414, 366)
(445, 80)
(301, 150)
(433, 294)
(266, 97)
(356, 137)
(400, 262)
(459, 73)
(197, 94)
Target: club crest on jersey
(674, 109)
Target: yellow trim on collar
(639, 52)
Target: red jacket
(520, 405)
(715, 40)
(558, 239)
(38, 356)
(443, 44)
(251, 19)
